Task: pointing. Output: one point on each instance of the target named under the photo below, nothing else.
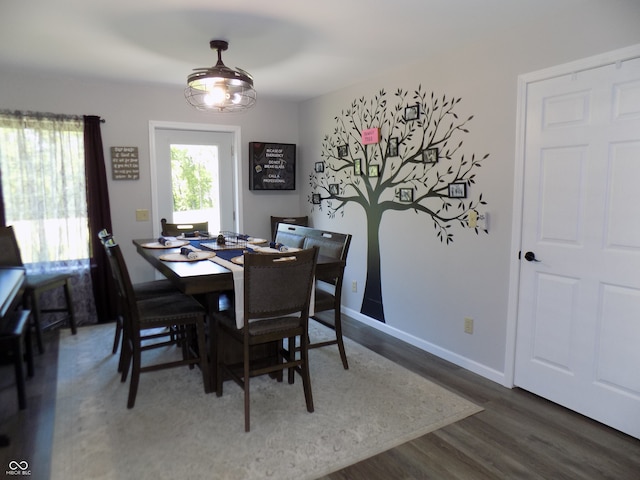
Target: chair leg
(28, 352)
(291, 349)
(122, 359)
(219, 359)
(202, 352)
(187, 343)
(304, 371)
(135, 378)
(68, 298)
(338, 327)
(18, 354)
(245, 381)
(116, 337)
(125, 358)
(35, 317)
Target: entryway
(194, 174)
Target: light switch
(142, 215)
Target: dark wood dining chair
(175, 229)
(142, 291)
(277, 291)
(328, 294)
(302, 221)
(175, 311)
(36, 285)
(334, 245)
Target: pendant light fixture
(220, 88)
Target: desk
(11, 287)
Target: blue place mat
(229, 254)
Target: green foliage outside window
(191, 180)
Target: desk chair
(175, 229)
(277, 293)
(36, 284)
(176, 311)
(302, 221)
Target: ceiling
(294, 49)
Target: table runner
(238, 286)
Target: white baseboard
(456, 359)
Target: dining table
(207, 278)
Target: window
(44, 186)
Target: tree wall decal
(410, 167)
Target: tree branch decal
(411, 167)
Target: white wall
(127, 110)
(429, 287)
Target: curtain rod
(44, 115)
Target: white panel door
(578, 334)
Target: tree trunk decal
(411, 160)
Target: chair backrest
(290, 235)
(302, 221)
(123, 283)
(278, 284)
(330, 244)
(175, 229)
(9, 249)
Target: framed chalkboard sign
(272, 166)
(124, 163)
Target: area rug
(176, 430)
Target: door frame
(199, 127)
(609, 58)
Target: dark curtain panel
(99, 218)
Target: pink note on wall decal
(370, 135)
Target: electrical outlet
(354, 286)
(468, 325)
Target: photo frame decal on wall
(392, 150)
(458, 190)
(431, 155)
(405, 195)
(412, 112)
(357, 167)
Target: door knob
(530, 257)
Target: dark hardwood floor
(517, 436)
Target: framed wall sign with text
(272, 166)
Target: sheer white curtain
(44, 194)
